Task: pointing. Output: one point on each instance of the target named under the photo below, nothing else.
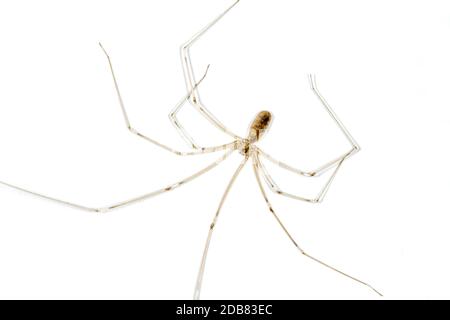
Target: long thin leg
(129, 201)
(201, 271)
(190, 84)
(312, 173)
(355, 146)
(274, 187)
(134, 131)
(323, 168)
(303, 252)
(313, 83)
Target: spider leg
(325, 167)
(274, 187)
(201, 271)
(139, 134)
(303, 252)
(129, 201)
(190, 84)
(181, 130)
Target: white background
(384, 67)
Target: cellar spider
(247, 147)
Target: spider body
(246, 146)
(259, 126)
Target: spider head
(259, 126)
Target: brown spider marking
(258, 128)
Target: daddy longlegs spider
(246, 146)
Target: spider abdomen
(260, 125)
